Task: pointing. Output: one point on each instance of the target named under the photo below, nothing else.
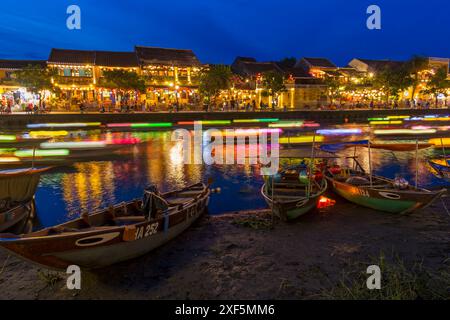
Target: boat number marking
(389, 195)
(96, 240)
(147, 231)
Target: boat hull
(387, 200)
(291, 210)
(440, 170)
(14, 216)
(104, 246)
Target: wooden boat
(76, 155)
(116, 234)
(291, 198)
(440, 167)
(380, 193)
(17, 189)
(20, 142)
(11, 217)
(384, 146)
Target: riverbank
(238, 256)
(20, 121)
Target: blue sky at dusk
(219, 30)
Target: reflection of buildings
(91, 187)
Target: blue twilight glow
(220, 30)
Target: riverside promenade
(322, 116)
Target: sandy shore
(224, 258)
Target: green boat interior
(363, 180)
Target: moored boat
(440, 167)
(290, 196)
(113, 235)
(17, 189)
(380, 193)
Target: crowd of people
(42, 107)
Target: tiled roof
(381, 64)
(320, 62)
(249, 67)
(63, 56)
(260, 67)
(176, 57)
(99, 58)
(20, 64)
(245, 59)
(297, 72)
(116, 59)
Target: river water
(65, 192)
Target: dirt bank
(237, 256)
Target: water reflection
(88, 186)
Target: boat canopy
(19, 185)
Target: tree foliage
(35, 78)
(392, 81)
(287, 62)
(123, 80)
(333, 85)
(273, 83)
(214, 80)
(413, 67)
(438, 83)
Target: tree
(36, 79)
(333, 85)
(413, 67)
(214, 80)
(123, 80)
(392, 80)
(288, 63)
(273, 84)
(438, 84)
